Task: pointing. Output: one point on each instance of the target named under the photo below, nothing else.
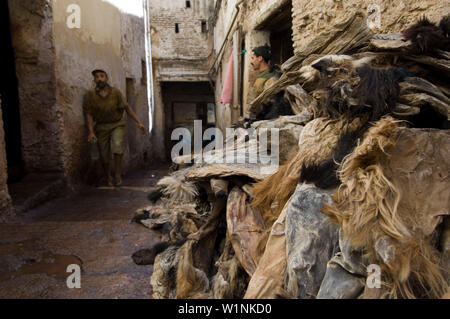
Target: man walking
(104, 105)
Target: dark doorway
(185, 102)
(10, 100)
(280, 27)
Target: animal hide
(351, 87)
(191, 282)
(178, 191)
(394, 193)
(426, 36)
(163, 279)
(324, 174)
(268, 280)
(317, 141)
(246, 230)
(277, 106)
(231, 280)
(444, 25)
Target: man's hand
(91, 137)
(142, 128)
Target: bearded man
(104, 107)
(260, 61)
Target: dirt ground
(91, 229)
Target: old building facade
(54, 45)
(181, 39)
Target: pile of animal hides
(358, 207)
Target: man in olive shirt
(260, 59)
(105, 105)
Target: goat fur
(426, 36)
(366, 207)
(317, 141)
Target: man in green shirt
(105, 105)
(260, 61)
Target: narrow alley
(224, 149)
(91, 229)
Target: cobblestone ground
(91, 229)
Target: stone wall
(41, 117)
(313, 16)
(5, 199)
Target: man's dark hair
(263, 51)
(99, 71)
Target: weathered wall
(110, 40)
(251, 15)
(41, 118)
(177, 57)
(5, 199)
(313, 16)
(134, 63)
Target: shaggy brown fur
(231, 280)
(444, 25)
(178, 191)
(354, 88)
(366, 207)
(317, 142)
(191, 282)
(425, 37)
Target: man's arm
(131, 113)
(90, 121)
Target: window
(204, 27)
(177, 28)
(188, 4)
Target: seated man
(260, 61)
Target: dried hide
(231, 280)
(289, 130)
(346, 273)
(301, 101)
(246, 230)
(317, 141)
(394, 193)
(351, 87)
(176, 223)
(222, 171)
(163, 279)
(268, 280)
(340, 38)
(277, 106)
(174, 189)
(324, 174)
(191, 282)
(178, 190)
(444, 25)
(425, 37)
(311, 241)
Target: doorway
(185, 102)
(10, 101)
